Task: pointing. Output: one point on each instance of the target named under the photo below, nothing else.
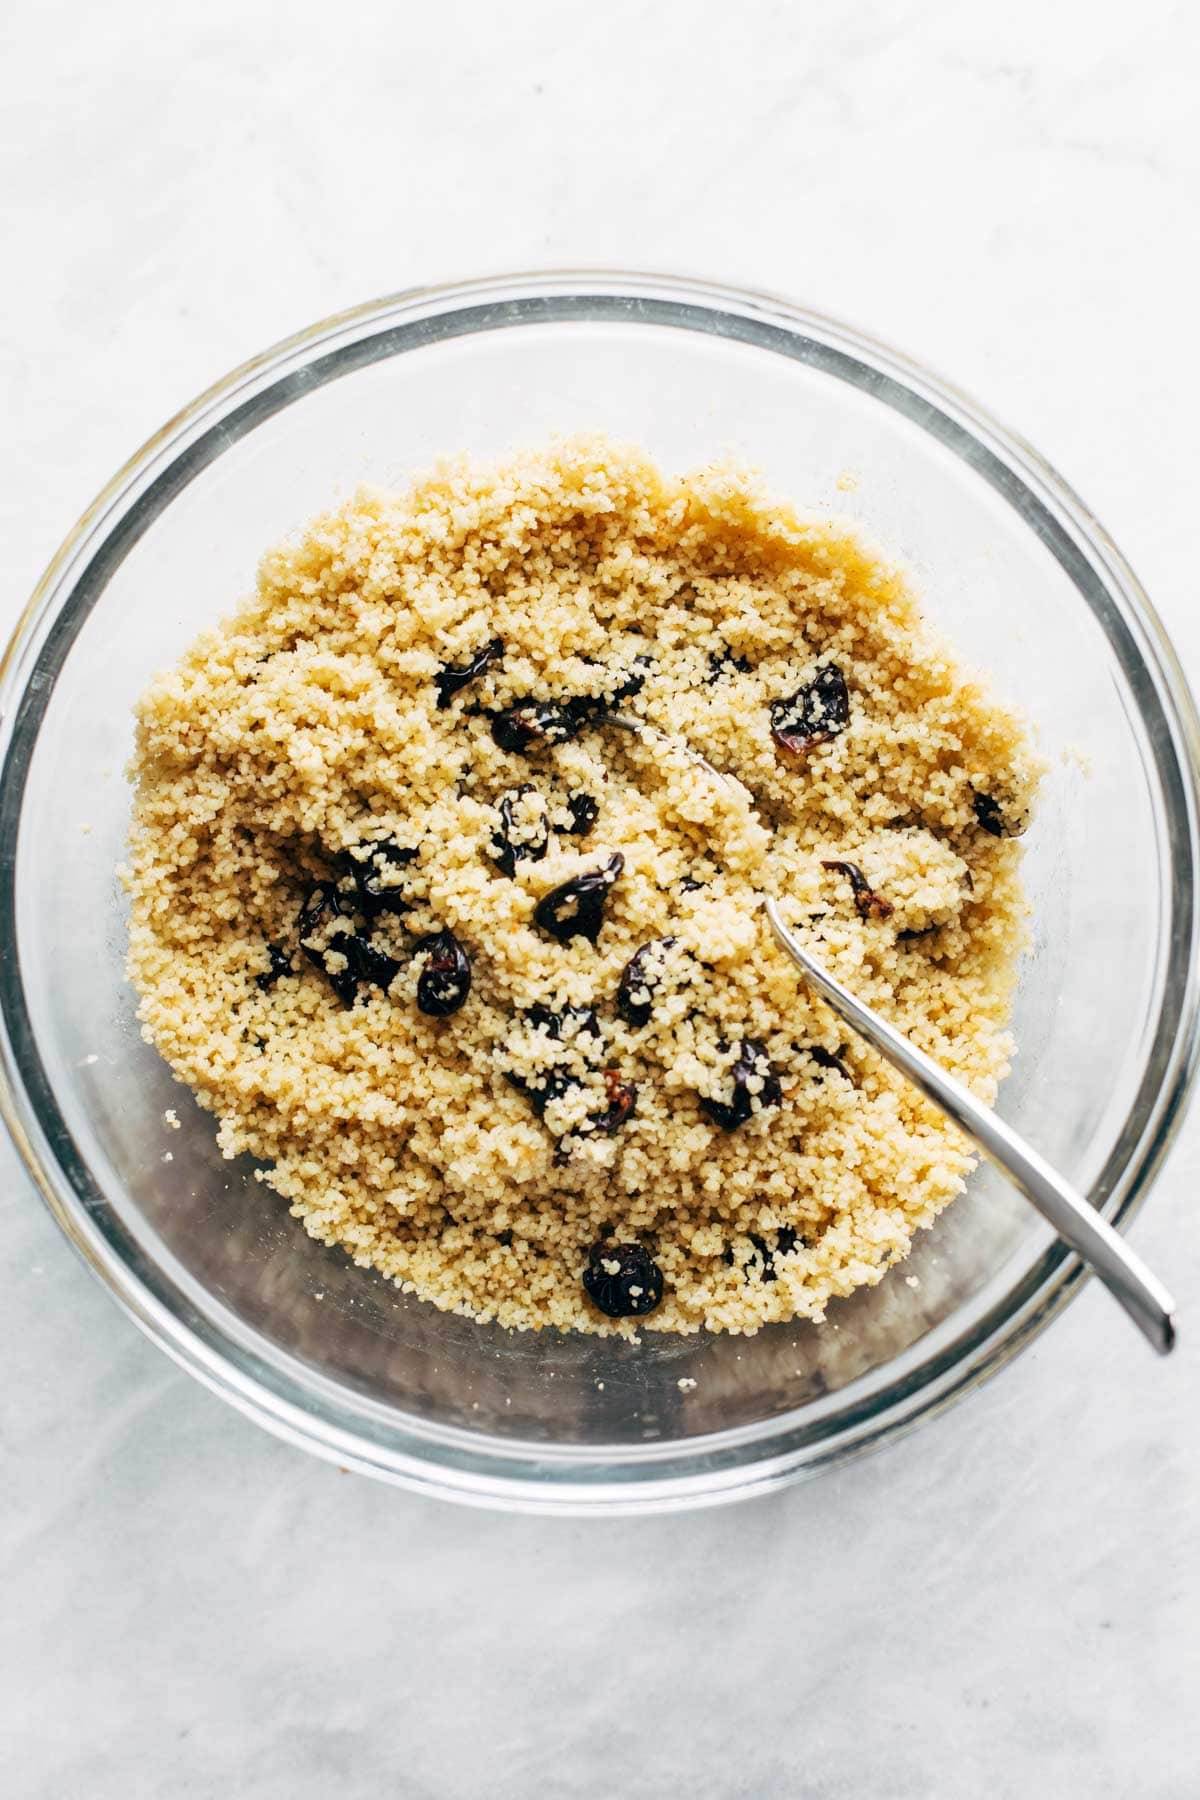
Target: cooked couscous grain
(485, 982)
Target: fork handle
(1072, 1217)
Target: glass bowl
(209, 1263)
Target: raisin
(319, 904)
(573, 1023)
(689, 885)
(584, 811)
(548, 1085)
(622, 1099)
(576, 907)
(868, 904)
(583, 1018)
(538, 724)
(449, 680)
(376, 868)
(813, 714)
(623, 1280)
(909, 937)
(824, 1059)
(445, 981)
(318, 913)
(634, 682)
(993, 819)
(370, 964)
(636, 980)
(280, 965)
(752, 1064)
(725, 663)
(786, 1241)
(512, 842)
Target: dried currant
(280, 965)
(993, 819)
(369, 964)
(445, 981)
(449, 680)
(868, 904)
(725, 663)
(752, 1065)
(542, 1088)
(523, 834)
(639, 979)
(321, 914)
(584, 811)
(813, 714)
(576, 908)
(377, 868)
(581, 1019)
(634, 682)
(824, 1059)
(572, 1023)
(622, 1100)
(538, 724)
(623, 1280)
(786, 1241)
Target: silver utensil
(1076, 1222)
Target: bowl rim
(695, 1471)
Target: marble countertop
(1006, 1603)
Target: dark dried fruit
(987, 811)
(634, 681)
(689, 885)
(726, 663)
(752, 1065)
(539, 724)
(584, 811)
(369, 964)
(623, 1280)
(825, 1059)
(520, 838)
(280, 965)
(572, 1024)
(868, 903)
(786, 1241)
(814, 713)
(376, 867)
(542, 1088)
(449, 680)
(909, 937)
(576, 907)
(321, 915)
(622, 1099)
(344, 958)
(582, 1018)
(320, 904)
(635, 991)
(445, 981)
(994, 820)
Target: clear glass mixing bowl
(207, 1260)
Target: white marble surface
(1003, 1605)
